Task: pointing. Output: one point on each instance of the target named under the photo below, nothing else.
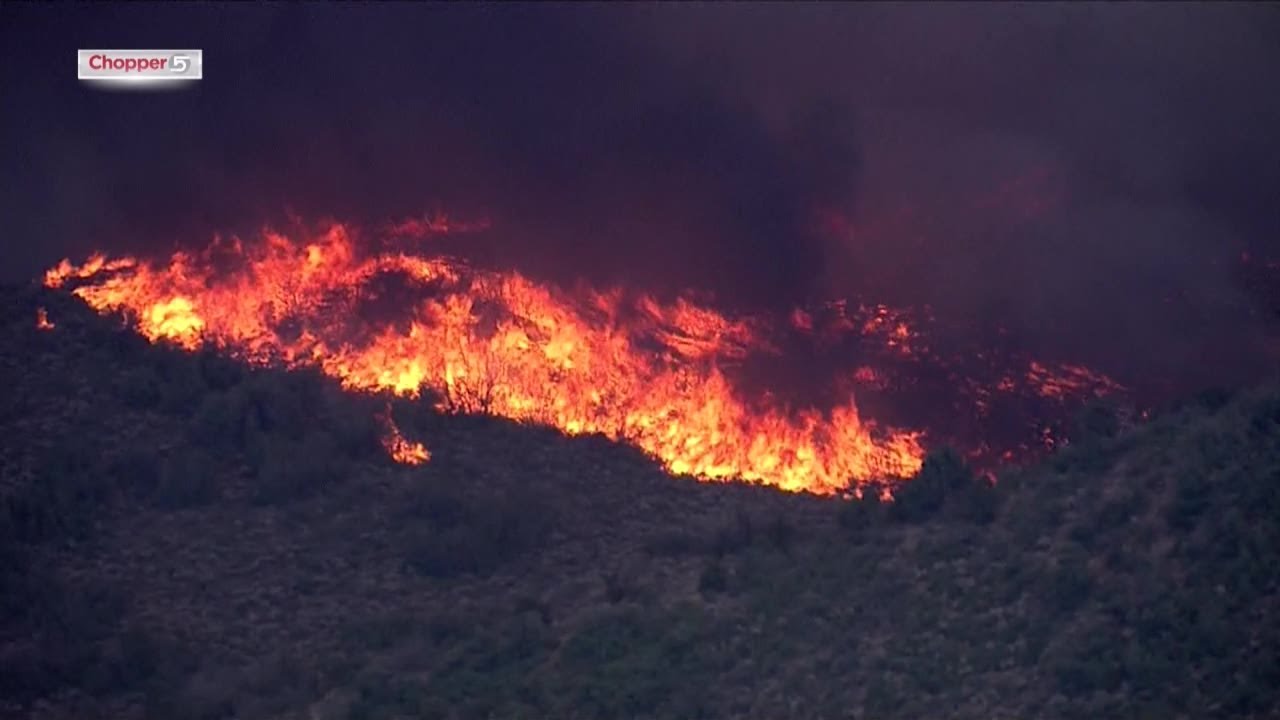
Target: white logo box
(141, 67)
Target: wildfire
(590, 361)
(400, 449)
(1069, 380)
(42, 320)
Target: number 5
(180, 63)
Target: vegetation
(181, 536)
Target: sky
(1087, 174)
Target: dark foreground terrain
(182, 538)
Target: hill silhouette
(186, 537)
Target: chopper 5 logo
(140, 67)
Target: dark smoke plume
(595, 155)
(1088, 176)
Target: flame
(400, 449)
(42, 320)
(1069, 380)
(433, 224)
(591, 361)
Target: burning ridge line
(497, 343)
(585, 361)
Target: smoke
(594, 154)
(1087, 175)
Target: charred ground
(183, 537)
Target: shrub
(639, 663)
(1265, 416)
(219, 372)
(1097, 420)
(858, 515)
(355, 429)
(180, 382)
(137, 659)
(780, 532)
(457, 534)
(453, 551)
(1214, 399)
(1119, 511)
(139, 388)
(66, 629)
(288, 404)
(738, 534)
(619, 586)
(219, 420)
(943, 474)
(136, 471)
(1069, 584)
(713, 579)
(977, 502)
(188, 479)
(674, 543)
(295, 470)
(1082, 675)
(1191, 499)
(63, 499)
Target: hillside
(185, 538)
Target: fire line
(498, 343)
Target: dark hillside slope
(184, 538)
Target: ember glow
(630, 368)
(42, 319)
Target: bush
(713, 579)
(219, 420)
(452, 552)
(737, 535)
(674, 543)
(218, 371)
(64, 498)
(1082, 675)
(943, 475)
(182, 386)
(136, 471)
(978, 502)
(779, 532)
(1070, 585)
(922, 497)
(1264, 418)
(65, 630)
(858, 515)
(138, 387)
(288, 404)
(355, 428)
(639, 663)
(295, 470)
(620, 586)
(137, 659)
(455, 534)
(188, 479)
(1097, 420)
(1213, 399)
(1191, 499)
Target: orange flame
(402, 450)
(1069, 380)
(586, 362)
(42, 320)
